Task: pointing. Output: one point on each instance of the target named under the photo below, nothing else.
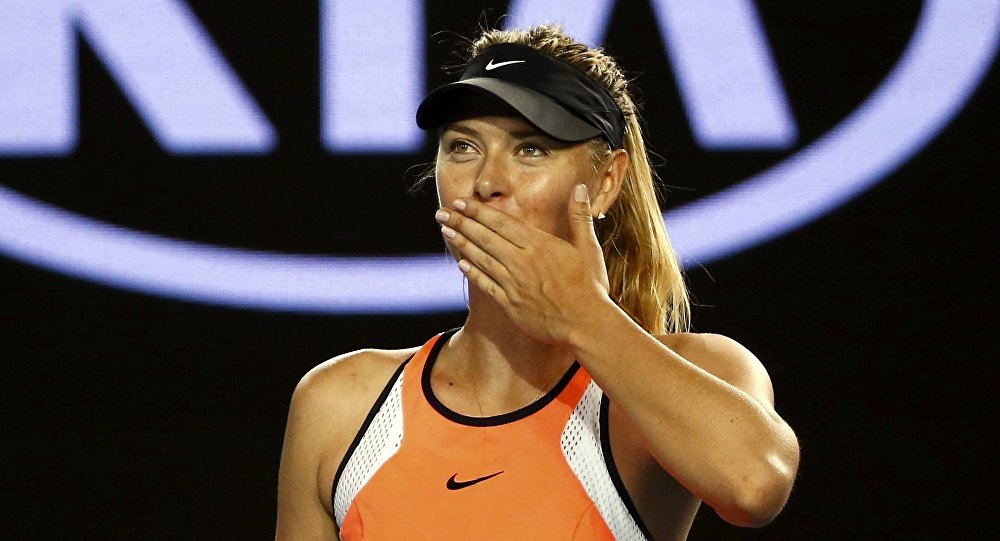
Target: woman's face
(507, 163)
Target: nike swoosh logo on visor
(452, 484)
(491, 66)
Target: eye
(532, 150)
(460, 146)
(459, 150)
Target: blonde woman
(573, 403)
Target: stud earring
(600, 216)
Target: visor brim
(540, 110)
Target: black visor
(558, 99)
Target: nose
(486, 189)
(492, 180)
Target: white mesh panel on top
(380, 442)
(581, 445)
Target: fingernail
(442, 215)
(459, 204)
(448, 232)
(580, 193)
(464, 265)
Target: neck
(504, 362)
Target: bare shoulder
(331, 401)
(353, 372)
(724, 358)
(340, 389)
(328, 406)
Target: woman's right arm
(302, 511)
(327, 409)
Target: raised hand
(547, 285)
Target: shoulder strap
(587, 450)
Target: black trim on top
(609, 461)
(364, 428)
(495, 420)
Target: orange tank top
(419, 471)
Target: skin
(692, 415)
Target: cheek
(545, 206)
(555, 202)
(448, 183)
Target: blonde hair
(646, 278)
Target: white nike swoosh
(491, 66)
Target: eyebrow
(463, 129)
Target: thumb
(581, 221)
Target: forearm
(725, 446)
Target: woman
(572, 404)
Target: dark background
(127, 416)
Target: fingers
(490, 219)
(478, 257)
(481, 280)
(481, 269)
(580, 217)
(488, 244)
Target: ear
(611, 177)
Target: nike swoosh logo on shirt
(491, 66)
(452, 484)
